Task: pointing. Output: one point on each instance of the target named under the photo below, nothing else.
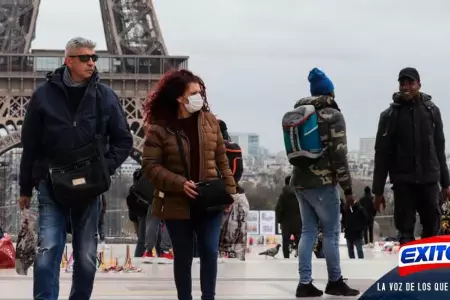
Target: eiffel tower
(135, 59)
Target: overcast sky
(255, 55)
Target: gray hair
(79, 42)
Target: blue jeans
(51, 244)
(207, 230)
(351, 244)
(140, 245)
(151, 236)
(321, 204)
(154, 234)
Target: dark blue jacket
(52, 128)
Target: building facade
(366, 148)
(249, 143)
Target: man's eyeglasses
(86, 57)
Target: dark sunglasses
(86, 57)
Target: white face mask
(195, 103)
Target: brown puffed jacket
(163, 166)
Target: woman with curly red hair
(178, 106)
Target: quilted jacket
(162, 165)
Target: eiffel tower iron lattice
(131, 27)
(135, 60)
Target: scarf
(68, 81)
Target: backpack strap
(393, 116)
(430, 106)
(392, 119)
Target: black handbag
(143, 189)
(212, 194)
(80, 176)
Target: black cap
(410, 73)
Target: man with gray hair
(62, 119)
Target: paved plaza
(257, 278)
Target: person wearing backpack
(316, 145)
(233, 152)
(410, 147)
(137, 213)
(149, 229)
(233, 236)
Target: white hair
(79, 42)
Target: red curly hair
(162, 104)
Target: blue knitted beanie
(320, 84)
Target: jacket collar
(318, 102)
(57, 74)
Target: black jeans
(351, 244)
(368, 232)
(410, 199)
(195, 250)
(286, 236)
(206, 228)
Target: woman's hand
(190, 188)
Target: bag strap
(98, 115)
(183, 158)
(391, 124)
(98, 122)
(182, 155)
(430, 108)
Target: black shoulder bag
(79, 177)
(212, 194)
(143, 189)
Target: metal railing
(106, 64)
(117, 225)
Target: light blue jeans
(319, 205)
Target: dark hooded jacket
(355, 221)
(410, 144)
(367, 203)
(287, 211)
(54, 126)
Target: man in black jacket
(367, 204)
(410, 147)
(287, 213)
(61, 117)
